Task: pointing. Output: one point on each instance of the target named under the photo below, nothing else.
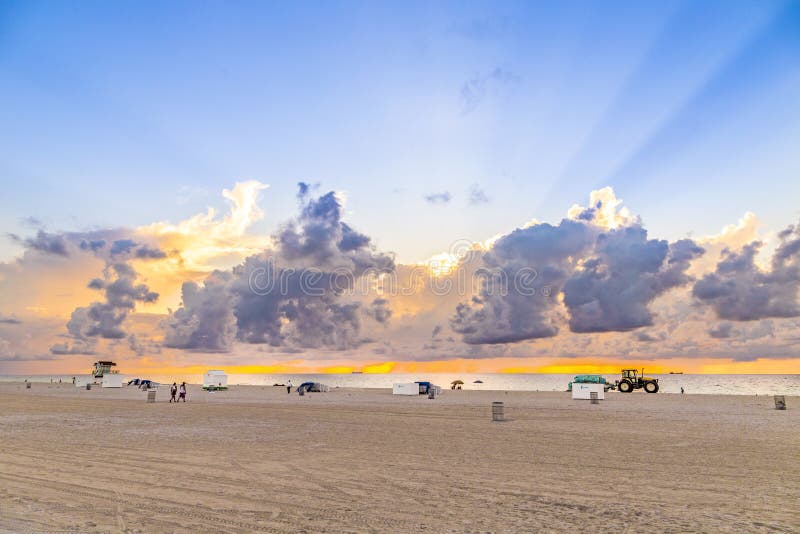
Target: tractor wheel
(651, 387)
(625, 387)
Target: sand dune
(257, 459)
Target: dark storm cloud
(739, 290)
(44, 242)
(76, 347)
(380, 310)
(130, 247)
(150, 253)
(105, 319)
(529, 262)
(122, 246)
(291, 296)
(95, 242)
(644, 337)
(613, 287)
(93, 245)
(205, 322)
(721, 331)
(607, 278)
(439, 198)
(142, 345)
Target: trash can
(88, 386)
(151, 395)
(301, 391)
(27, 385)
(780, 402)
(497, 411)
(431, 393)
(593, 397)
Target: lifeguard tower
(102, 368)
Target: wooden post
(780, 402)
(497, 411)
(593, 396)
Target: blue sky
(122, 114)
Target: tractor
(631, 380)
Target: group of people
(177, 390)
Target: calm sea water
(704, 384)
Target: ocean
(691, 383)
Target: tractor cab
(630, 374)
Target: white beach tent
(410, 388)
(584, 391)
(112, 380)
(215, 380)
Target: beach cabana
(584, 390)
(215, 380)
(405, 388)
(112, 380)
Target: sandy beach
(256, 459)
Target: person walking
(289, 386)
(173, 391)
(182, 392)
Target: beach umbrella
(478, 382)
(457, 382)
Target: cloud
(607, 274)
(206, 321)
(740, 290)
(207, 242)
(439, 198)
(721, 331)
(292, 295)
(475, 90)
(150, 253)
(611, 289)
(93, 245)
(477, 195)
(646, 337)
(105, 319)
(538, 257)
(142, 345)
(31, 222)
(86, 347)
(380, 310)
(9, 320)
(44, 242)
(122, 246)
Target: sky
(636, 161)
